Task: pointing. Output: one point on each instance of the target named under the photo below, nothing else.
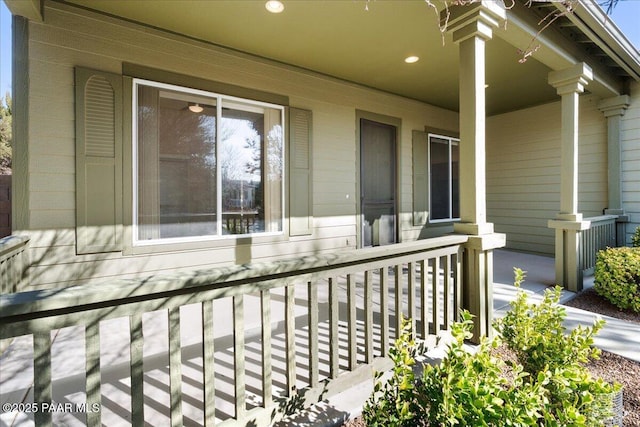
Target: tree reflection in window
(180, 154)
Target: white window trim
(450, 139)
(134, 159)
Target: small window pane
(444, 158)
(241, 168)
(455, 179)
(440, 185)
(176, 165)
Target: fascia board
(556, 52)
(30, 9)
(596, 24)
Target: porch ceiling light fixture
(411, 59)
(274, 6)
(196, 108)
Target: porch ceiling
(356, 40)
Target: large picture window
(206, 165)
(444, 160)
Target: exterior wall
(630, 143)
(523, 171)
(5, 205)
(71, 37)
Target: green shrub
(469, 389)
(466, 389)
(575, 398)
(396, 402)
(535, 332)
(617, 277)
(635, 239)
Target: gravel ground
(610, 366)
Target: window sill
(217, 242)
(443, 221)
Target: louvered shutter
(420, 178)
(300, 177)
(98, 161)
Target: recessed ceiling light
(274, 6)
(411, 59)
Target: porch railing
(13, 263)
(242, 345)
(601, 234)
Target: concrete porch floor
(17, 374)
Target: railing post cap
(487, 242)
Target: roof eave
(600, 28)
(30, 9)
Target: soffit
(356, 40)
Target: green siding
(21, 144)
(104, 44)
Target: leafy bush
(466, 389)
(535, 332)
(470, 389)
(617, 277)
(575, 398)
(635, 239)
(396, 402)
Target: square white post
(569, 83)
(613, 109)
(472, 25)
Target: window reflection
(181, 151)
(444, 155)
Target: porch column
(568, 224)
(613, 109)
(471, 26)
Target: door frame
(385, 120)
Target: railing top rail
(601, 218)
(11, 243)
(114, 292)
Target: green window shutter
(98, 161)
(420, 178)
(300, 178)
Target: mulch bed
(610, 367)
(589, 300)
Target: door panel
(378, 183)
